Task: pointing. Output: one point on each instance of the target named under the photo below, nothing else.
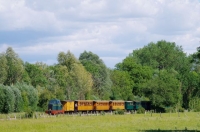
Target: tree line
(160, 72)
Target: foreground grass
(108, 123)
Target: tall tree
(4, 68)
(15, 67)
(122, 85)
(37, 74)
(138, 74)
(163, 90)
(100, 74)
(160, 55)
(78, 80)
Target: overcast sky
(39, 29)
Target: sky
(38, 30)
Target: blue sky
(38, 30)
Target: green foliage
(138, 74)
(4, 68)
(159, 71)
(119, 112)
(44, 97)
(29, 113)
(170, 109)
(7, 99)
(194, 104)
(122, 85)
(140, 110)
(191, 88)
(100, 74)
(37, 74)
(160, 55)
(16, 69)
(18, 105)
(74, 78)
(29, 96)
(161, 92)
(2, 98)
(67, 59)
(180, 109)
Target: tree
(4, 68)
(29, 96)
(36, 73)
(160, 55)
(2, 98)
(44, 97)
(122, 85)
(100, 74)
(163, 90)
(7, 99)
(78, 80)
(165, 56)
(18, 103)
(138, 74)
(15, 67)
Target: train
(56, 106)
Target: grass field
(105, 123)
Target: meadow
(189, 121)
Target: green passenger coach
(129, 105)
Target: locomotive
(56, 106)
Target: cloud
(39, 30)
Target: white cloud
(109, 28)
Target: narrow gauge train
(56, 106)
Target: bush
(181, 109)
(132, 112)
(197, 109)
(169, 109)
(119, 112)
(29, 113)
(140, 110)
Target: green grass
(106, 123)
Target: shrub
(181, 109)
(29, 113)
(119, 112)
(132, 112)
(197, 109)
(169, 109)
(140, 110)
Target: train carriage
(129, 105)
(68, 106)
(136, 105)
(83, 105)
(101, 105)
(117, 105)
(146, 105)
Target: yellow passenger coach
(101, 105)
(68, 105)
(83, 105)
(117, 104)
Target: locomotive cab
(55, 107)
